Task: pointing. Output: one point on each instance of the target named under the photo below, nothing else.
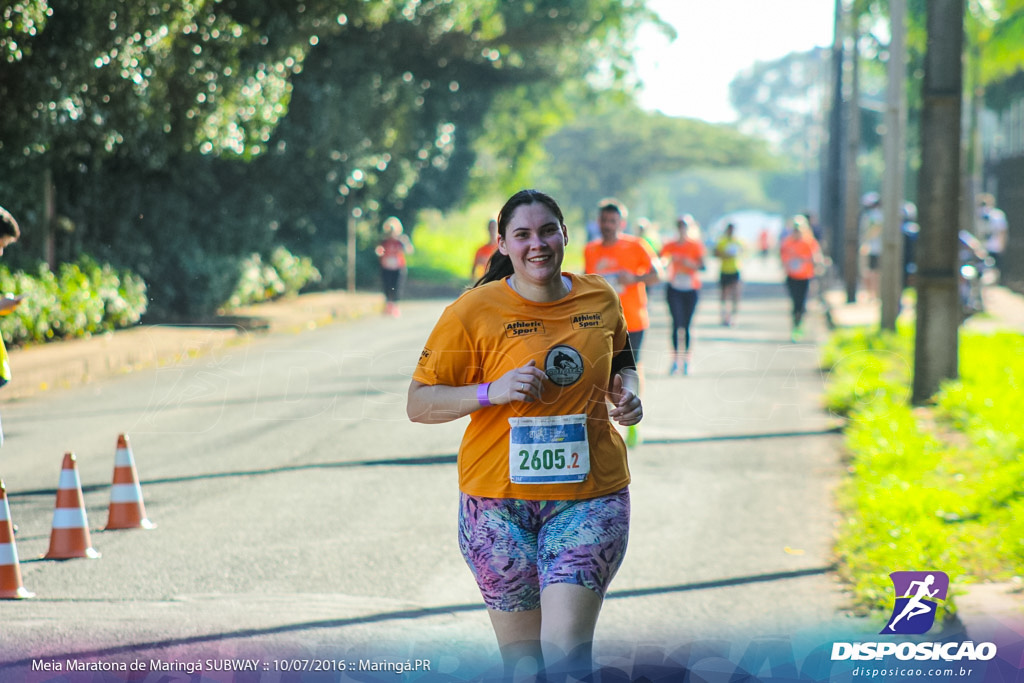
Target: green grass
(446, 243)
(939, 487)
(866, 367)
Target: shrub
(295, 272)
(259, 281)
(82, 298)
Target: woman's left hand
(628, 409)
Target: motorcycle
(975, 269)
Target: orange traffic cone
(70, 536)
(11, 587)
(127, 510)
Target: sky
(716, 40)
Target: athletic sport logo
(583, 321)
(520, 328)
(917, 596)
(564, 365)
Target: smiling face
(535, 242)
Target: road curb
(74, 362)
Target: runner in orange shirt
(484, 253)
(685, 258)
(539, 360)
(629, 265)
(801, 257)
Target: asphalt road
(300, 514)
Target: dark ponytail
(500, 265)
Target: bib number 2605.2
(548, 459)
(549, 450)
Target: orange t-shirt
(483, 255)
(798, 254)
(630, 254)
(490, 330)
(685, 257)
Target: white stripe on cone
(69, 479)
(125, 493)
(69, 518)
(8, 554)
(122, 458)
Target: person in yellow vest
(540, 361)
(801, 258)
(729, 249)
(9, 234)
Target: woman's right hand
(524, 383)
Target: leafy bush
(259, 281)
(295, 272)
(82, 298)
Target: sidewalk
(1004, 310)
(987, 611)
(79, 361)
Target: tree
(782, 101)
(182, 135)
(614, 151)
(938, 309)
(112, 82)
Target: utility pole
(938, 301)
(350, 244)
(50, 219)
(891, 286)
(851, 253)
(974, 160)
(832, 195)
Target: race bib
(548, 450)
(798, 264)
(614, 281)
(682, 281)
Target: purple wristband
(481, 394)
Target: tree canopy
(612, 151)
(783, 100)
(180, 133)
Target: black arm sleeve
(623, 359)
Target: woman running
(534, 356)
(392, 250)
(801, 258)
(685, 259)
